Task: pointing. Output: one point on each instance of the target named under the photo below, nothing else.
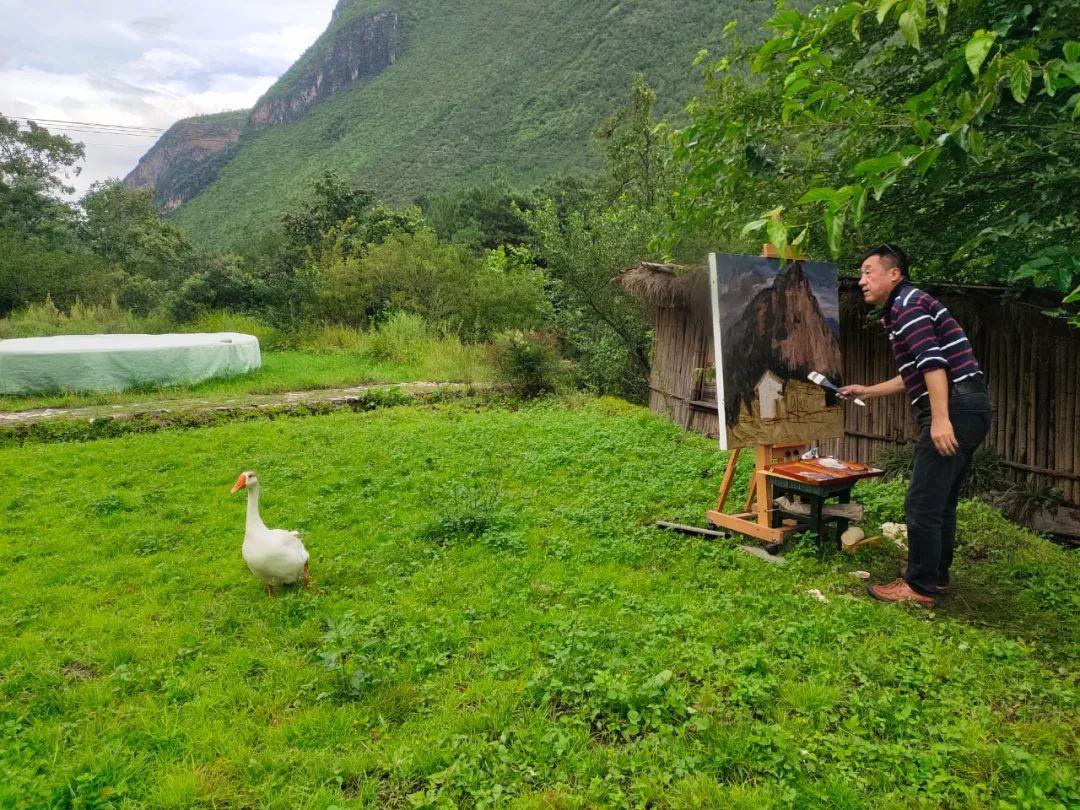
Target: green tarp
(116, 362)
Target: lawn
(494, 623)
(288, 371)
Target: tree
(34, 165)
(952, 128)
(634, 148)
(331, 201)
(121, 225)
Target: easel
(757, 523)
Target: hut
(1031, 360)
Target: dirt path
(340, 397)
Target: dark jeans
(930, 507)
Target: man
(945, 385)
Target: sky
(144, 63)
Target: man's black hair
(894, 253)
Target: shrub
(986, 473)
(29, 271)
(442, 283)
(896, 460)
(1023, 500)
(333, 337)
(529, 363)
(269, 337)
(401, 338)
(45, 319)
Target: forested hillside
(483, 88)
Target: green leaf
(909, 27)
(923, 129)
(926, 160)
(858, 204)
(778, 235)
(1020, 81)
(1071, 50)
(976, 50)
(883, 183)
(942, 7)
(855, 34)
(975, 143)
(834, 228)
(883, 9)
(818, 195)
(1072, 70)
(876, 165)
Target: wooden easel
(757, 522)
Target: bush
(43, 320)
(333, 337)
(270, 337)
(29, 272)
(443, 284)
(528, 363)
(1022, 501)
(985, 476)
(401, 338)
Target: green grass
(285, 371)
(509, 89)
(493, 623)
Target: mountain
(411, 97)
(187, 157)
(782, 330)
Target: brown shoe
(899, 591)
(943, 588)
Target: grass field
(493, 623)
(287, 371)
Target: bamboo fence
(1031, 361)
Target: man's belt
(972, 385)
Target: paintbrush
(818, 378)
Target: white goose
(275, 556)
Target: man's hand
(941, 434)
(860, 391)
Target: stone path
(341, 397)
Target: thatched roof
(667, 285)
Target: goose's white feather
(275, 556)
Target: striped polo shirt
(925, 336)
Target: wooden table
(816, 483)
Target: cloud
(124, 62)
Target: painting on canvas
(773, 324)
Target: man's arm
(882, 389)
(941, 429)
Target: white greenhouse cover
(116, 362)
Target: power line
(89, 126)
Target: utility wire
(88, 126)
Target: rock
(852, 536)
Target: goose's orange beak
(241, 482)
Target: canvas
(772, 325)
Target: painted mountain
(776, 325)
